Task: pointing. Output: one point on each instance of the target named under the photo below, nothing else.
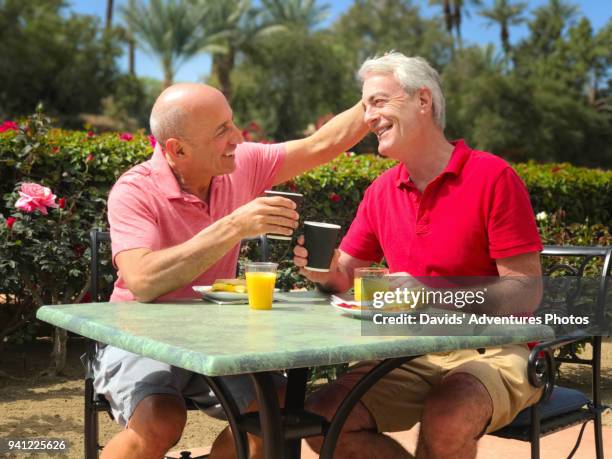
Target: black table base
(283, 429)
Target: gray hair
(167, 122)
(411, 73)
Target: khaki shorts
(396, 401)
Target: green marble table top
(218, 340)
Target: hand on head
(266, 215)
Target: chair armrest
(541, 363)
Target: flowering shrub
(53, 189)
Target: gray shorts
(125, 379)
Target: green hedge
(45, 258)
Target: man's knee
(160, 419)
(326, 402)
(460, 404)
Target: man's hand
(300, 259)
(266, 215)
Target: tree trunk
(168, 73)
(109, 14)
(131, 56)
(457, 22)
(448, 17)
(223, 64)
(60, 348)
(505, 39)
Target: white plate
(347, 309)
(205, 291)
(346, 306)
(306, 296)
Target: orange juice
(260, 288)
(357, 289)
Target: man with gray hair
(445, 210)
(177, 221)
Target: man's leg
(155, 426)
(456, 414)
(359, 437)
(145, 397)
(481, 393)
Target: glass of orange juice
(375, 282)
(260, 279)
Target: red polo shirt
(476, 211)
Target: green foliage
(64, 61)
(371, 27)
(265, 84)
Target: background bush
(45, 259)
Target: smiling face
(391, 114)
(211, 138)
(204, 138)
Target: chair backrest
(576, 282)
(96, 237)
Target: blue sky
(474, 30)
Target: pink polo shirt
(476, 211)
(147, 208)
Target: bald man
(176, 221)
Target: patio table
(220, 340)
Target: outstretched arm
(336, 136)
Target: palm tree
(296, 14)
(233, 25)
(448, 15)
(460, 9)
(453, 13)
(505, 14)
(168, 29)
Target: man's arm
(150, 274)
(337, 135)
(519, 289)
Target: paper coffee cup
(320, 240)
(295, 197)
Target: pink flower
(10, 222)
(90, 158)
(334, 197)
(125, 136)
(35, 197)
(152, 140)
(61, 202)
(90, 134)
(292, 186)
(9, 126)
(55, 149)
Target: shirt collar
(459, 156)
(164, 177)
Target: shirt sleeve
(261, 163)
(133, 224)
(361, 240)
(511, 228)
